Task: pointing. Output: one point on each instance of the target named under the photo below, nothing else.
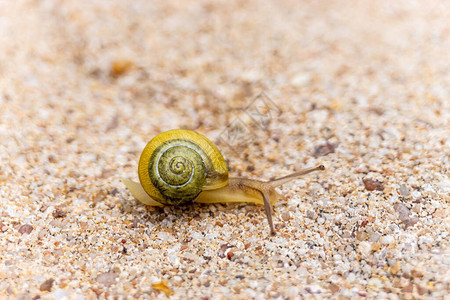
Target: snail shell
(177, 165)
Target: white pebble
(387, 239)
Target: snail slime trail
(181, 166)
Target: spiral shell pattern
(177, 165)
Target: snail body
(181, 166)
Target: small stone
(57, 213)
(361, 235)
(60, 294)
(372, 184)
(25, 229)
(333, 288)
(324, 149)
(416, 273)
(387, 240)
(404, 190)
(404, 215)
(411, 221)
(421, 290)
(375, 282)
(395, 268)
(374, 237)
(376, 246)
(285, 216)
(365, 248)
(408, 289)
(46, 286)
(121, 66)
(313, 289)
(107, 279)
(311, 214)
(2, 227)
(163, 286)
(223, 249)
(402, 210)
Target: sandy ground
(363, 88)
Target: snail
(180, 166)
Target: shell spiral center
(178, 171)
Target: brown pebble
(404, 215)
(113, 125)
(421, 290)
(411, 221)
(395, 268)
(223, 249)
(333, 288)
(107, 279)
(285, 216)
(372, 184)
(408, 289)
(310, 214)
(97, 291)
(361, 235)
(43, 208)
(25, 228)
(230, 254)
(402, 210)
(46, 286)
(2, 226)
(120, 67)
(57, 213)
(416, 273)
(324, 149)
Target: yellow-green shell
(177, 165)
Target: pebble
(404, 190)
(25, 229)
(416, 195)
(365, 248)
(47, 285)
(404, 215)
(387, 239)
(57, 213)
(374, 237)
(107, 279)
(402, 210)
(311, 214)
(59, 294)
(373, 185)
(285, 216)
